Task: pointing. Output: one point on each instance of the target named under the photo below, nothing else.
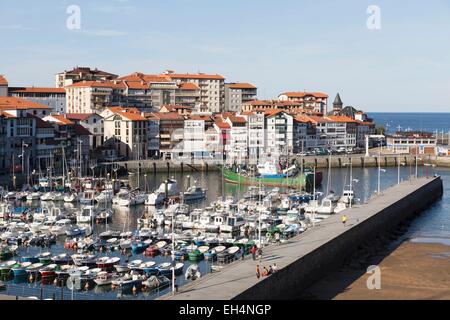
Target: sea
(429, 122)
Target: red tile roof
(194, 76)
(13, 103)
(165, 115)
(189, 86)
(222, 125)
(235, 119)
(241, 86)
(136, 84)
(79, 116)
(60, 118)
(37, 90)
(6, 114)
(98, 84)
(304, 94)
(132, 114)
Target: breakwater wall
(357, 161)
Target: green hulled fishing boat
(297, 181)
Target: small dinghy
(192, 272)
(44, 257)
(62, 258)
(134, 264)
(48, 271)
(5, 268)
(166, 269)
(227, 255)
(148, 268)
(156, 283)
(19, 269)
(107, 263)
(120, 268)
(34, 269)
(105, 278)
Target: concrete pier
(310, 256)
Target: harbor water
(433, 224)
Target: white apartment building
(256, 143)
(313, 101)
(334, 131)
(238, 139)
(236, 94)
(305, 135)
(126, 131)
(278, 133)
(93, 96)
(212, 88)
(153, 137)
(54, 98)
(69, 77)
(194, 144)
(93, 123)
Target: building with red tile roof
(316, 101)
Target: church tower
(337, 104)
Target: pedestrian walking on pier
(258, 273)
(277, 238)
(274, 268)
(253, 252)
(260, 254)
(344, 219)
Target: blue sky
(284, 45)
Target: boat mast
(63, 173)
(173, 254)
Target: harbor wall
(300, 274)
(358, 161)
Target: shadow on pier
(355, 266)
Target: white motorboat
(105, 196)
(33, 196)
(86, 214)
(122, 194)
(169, 187)
(133, 199)
(46, 196)
(61, 227)
(194, 193)
(232, 224)
(57, 196)
(71, 197)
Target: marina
(104, 250)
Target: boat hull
(298, 181)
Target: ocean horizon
(416, 121)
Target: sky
(285, 45)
